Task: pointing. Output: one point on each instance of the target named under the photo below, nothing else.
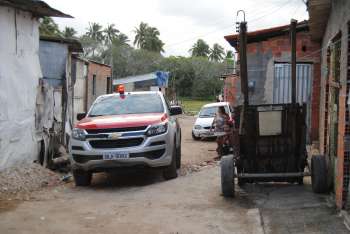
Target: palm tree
(110, 33)
(217, 53)
(120, 40)
(95, 34)
(95, 31)
(152, 41)
(200, 49)
(69, 32)
(140, 34)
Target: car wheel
(170, 172)
(194, 137)
(82, 178)
(178, 156)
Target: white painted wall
(19, 75)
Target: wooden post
(243, 61)
(293, 40)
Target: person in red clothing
(222, 129)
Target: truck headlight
(197, 127)
(79, 134)
(157, 129)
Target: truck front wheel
(82, 178)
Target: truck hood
(121, 121)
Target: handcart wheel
(227, 176)
(319, 174)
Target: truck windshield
(129, 104)
(208, 112)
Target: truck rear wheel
(82, 178)
(319, 174)
(227, 176)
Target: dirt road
(135, 203)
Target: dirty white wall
(80, 88)
(19, 75)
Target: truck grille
(109, 130)
(120, 143)
(155, 154)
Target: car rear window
(210, 111)
(129, 104)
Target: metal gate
(283, 87)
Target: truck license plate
(115, 155)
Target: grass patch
(193, 106)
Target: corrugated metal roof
(37, 7)
(133, 79)
(73, 44)
(102, 64)
(264, 34)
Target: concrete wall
(337, 23)
(101, 72)
(19, 77)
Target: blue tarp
(162, 78)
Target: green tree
(229, 54)
(147, 38)
(200, 49)
(93, 39)
(110, 33)
(48, 27)
(121, 40)
(217, 53)
(69, 32)
(140, 36)
(95, 32)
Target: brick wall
(261, 59)
(230, 89)
(101, 72)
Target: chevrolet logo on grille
(114, 136)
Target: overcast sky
(180, 22)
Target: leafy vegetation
(193, 106)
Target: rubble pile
(19, 181)
(191, 168)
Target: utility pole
(293, 39)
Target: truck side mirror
(81, 116)
(175, 110)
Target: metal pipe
(243, 61)
(293, 24)
(272, 175)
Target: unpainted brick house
(329, 25)
(269, 55)
(93, 79)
